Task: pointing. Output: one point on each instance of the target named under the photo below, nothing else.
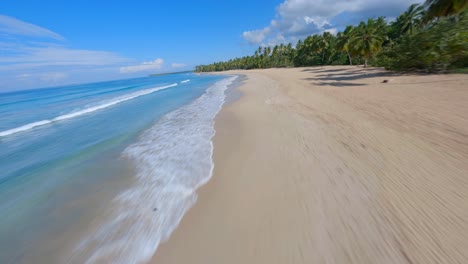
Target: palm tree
(344, 40)
(367, 39)
(324, 44)
(440, 8)
(259, 50)
(313, 49)
(410, 19)
(274, 56)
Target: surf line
(114, 101)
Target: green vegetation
(432, 37)
(441, 8)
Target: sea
(103, 172)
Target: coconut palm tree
(440, 8)
(367, 39)
(344, 40)
(410, 19)
(312, 49)
(324, 45)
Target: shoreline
(233, 92)
(329, 164)
(83, 218)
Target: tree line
(431, 37)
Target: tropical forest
(431, 37)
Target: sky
(57, 42)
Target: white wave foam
(173, 158)
(185, 81)
(84, 111)
(24, 128)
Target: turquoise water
(139, 146)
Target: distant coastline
(169, 73)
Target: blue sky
(56, 42)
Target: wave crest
(88, 110)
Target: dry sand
(330, 165)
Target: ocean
(103, 172)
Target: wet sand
(332, 165)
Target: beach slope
(334, 165)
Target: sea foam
(172, 159)
(88, 110)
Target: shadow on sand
(319, 70)
(338, 84)
(341, 76)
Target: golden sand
(334, 165)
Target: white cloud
(256, 36)
(13, 26)
(332, 31)
(24, 76)
(296, 19)
(274, 40)
(27, 58)
(178, 65)
(145, 66)
(53, 77)
(19, 53)
(44, 78)
(32, 56)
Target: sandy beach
(334, 165)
